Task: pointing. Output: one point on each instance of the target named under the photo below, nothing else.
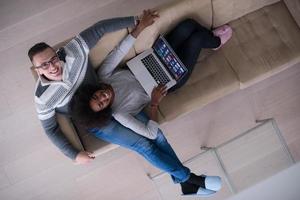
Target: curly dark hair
(80, 108)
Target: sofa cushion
(160, 116)
(91, 143)
(95, 145)
(69, 131)
(264, 42)
(294, 8)
(170, 15)
(211, 79)
(106, 44)
(229, 10)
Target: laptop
(158, 65)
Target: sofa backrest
(228, 10)
(206, 12)
(294, 8)
(171, 14)
(106, 44)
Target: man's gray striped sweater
(54, 96)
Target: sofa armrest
(106, 44)
(69, 131)
(294, 8)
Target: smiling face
(101, 99)
(48, 64)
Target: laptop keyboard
(155, 69)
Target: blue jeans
(158, 151)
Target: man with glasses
(61, 73)
(52, 69)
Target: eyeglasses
(54, 60)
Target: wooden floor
(31, 168)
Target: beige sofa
(266, 40)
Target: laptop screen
(169, 58)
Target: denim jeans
(158, 151)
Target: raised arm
(92, 34)
(114, 58)
(55, 134)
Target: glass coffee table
(241, 162)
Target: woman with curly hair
(112, 110)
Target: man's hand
(84, 157)
(147, 19)
(158, 93)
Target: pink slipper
(224, 33)
(221, 30)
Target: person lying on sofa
(61, 73)
(120, 99)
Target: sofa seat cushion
(91, 143)
(264, 42)
(170, 15)
(229, 10)
(211, 79)
(96, 145)
(69, 131)
(294, 8)
(106, 44)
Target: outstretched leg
(162, 159)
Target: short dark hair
(37, 48)
(81, 111)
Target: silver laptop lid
(169, 58)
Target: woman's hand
(158, 93)
(147, 19)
